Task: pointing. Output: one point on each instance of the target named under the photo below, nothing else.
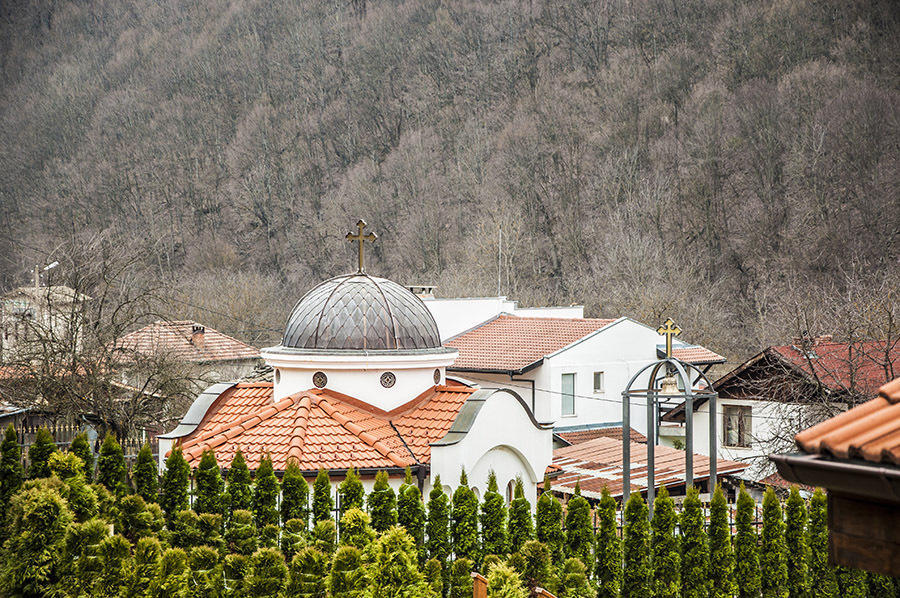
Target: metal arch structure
(682, 371)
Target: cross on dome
(360, 238)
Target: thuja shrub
(694, 548)
(537, 570)
(608, 569)
(438, 524)
(521, 527)
(210, 526)
(308, 574)
(114, 556)
(293, 537)
(574, 582)
(135, 520)
(11, 472)
(721, 554)
(773, 561)
(382, 503)
(185, 528)
(324, 536)
(147, 552)
(459, 583)
(411, 516)
(351, 492)
(175, 484)
(146, 475)
(636, 549)
(235, 569)
(822, 581)
(392, 567)
(206, 572)
(795, 540)
(322, 503)
(111, 465)
(548, 523)
(356, 529)
(209, 484)
(268, 536)
(746, 547)
(240, 536)
(851, 583)
(434, 576)
(265, 494)
(493, 519)
(664, 546)
(80, 497)
(238, 492)
(294, 495)
(268, 573)
(579, 535)
(464, 521)
(504, 582)
(81, 448)
(172, 574)
(39, 453)
(346, 579)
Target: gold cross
(669, 329)
(360, 238)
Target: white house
(360, 380)
(571, 371)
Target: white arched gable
(496, 431)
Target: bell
(669, 386)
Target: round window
(437, 376)
(320, 379)
(388, 379)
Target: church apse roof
(323, 429)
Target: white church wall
(458, 314)
(502, 438)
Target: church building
(360, 380)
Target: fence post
(479, 585)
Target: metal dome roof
(360, 312)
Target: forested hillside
(731, 164)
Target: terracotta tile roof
(695, 354)
(579, 436)
(598, 463)
(322, 429)
(776, 480)
(175, 338)
(512, 343)
(870, 431)
(845, 366)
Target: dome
(360, 312)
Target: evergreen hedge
(294, 495)
(548, 523)
(11, 471)
(796, 544)
(238, 484)
(322, 503)
(265, 494)
(175, 483)
(521, 527)
(636, 549)
(209, 484)
(579, 533)
(464, 521)
(773, 561)
(39, 452)
(146, 475)
(351, 492)
(608, 568)
(382, 503)
(746, 547)
(493, 519)
(81, 448)
(694, 548)
(822, 581)
(437, 527)
(665, 551)
(111, 465)
(721, 551)
(411, 517)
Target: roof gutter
(873, 482)
(506, 372)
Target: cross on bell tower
(360, 238)
(669, 330)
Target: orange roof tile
(579, 436)
(597, 463)
(176, 339)
(870, 431)
(696, 354)
(512, 343)
(322, 429)
(845, 366)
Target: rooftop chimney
(422, 291)
(824, 338)
(197, 335)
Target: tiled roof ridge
(403, 409)
(554, 319)
(220, 434)
(891, 391)
(354, 428)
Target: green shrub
(323, 504)
(797, 547)
(206, 574)
(664, 546)
(504, 582)
(81, 560)
(459, 582)
(434, 575)
(80, 497)
(773, 561)
(11, 473)
(579, 534)
(356, 529)
(294, 495)
(172, 575)
(135, 519)
(636, 549)
(411, 516)
(494, 538)
(746, 547)
(39, 452)
(209, 485)
(210, 528)
(548, 524)
(438, 524)
(464, 521)
(268, 573)
(147, 552)
(608, 571)
(293, 538)
(537, 571)
(175, 484)
(81, 448)
(823, 583)
(111, 466)
(347, 578)
(351, 491)
(721, 554)
(235, 570)
(308, 574)
(574, 581)
(240, 536)
(114, 556)
(521, 527)
(146, 475)
(185, 528)
(694, 548)
(268, 536)
(382, 503)
(851, 583)
(238, 492)
(265, 494)
(392, 567)
(881, 586)
(324, 535)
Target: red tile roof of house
(579, 436)
(597, 463)
(323, 429)
(870, 431)
(176, 339)
(513, 343)
(696, 354)
(857, 366)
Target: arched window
(510, 491)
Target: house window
(598, 381)
(737, 426)
(568, 394)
